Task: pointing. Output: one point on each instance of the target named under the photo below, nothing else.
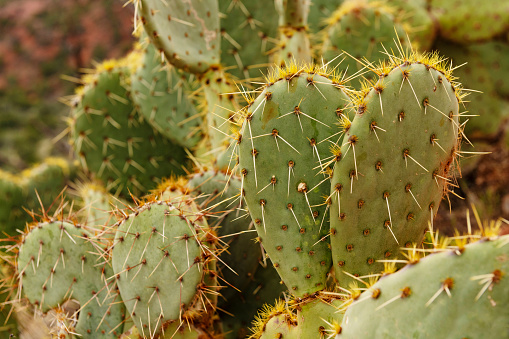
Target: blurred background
(44, 44)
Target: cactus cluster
(298, 205)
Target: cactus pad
(457, 294)
(113, 142)
(159, 261)
(160, 93)
(187, 31)
(395, 166)
(283, 148)
(57, 261)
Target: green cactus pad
(493, 56)
(249, 32)
(372, 21)
(187, 31)
(470, 21)
(294, 47)
(218, 196)
(456, 294)
(284, 145)
(57, 262)
(294, 39)
(34, 189)
(160, 93)
(315, 318)
(12, 215)
(293, 13)
(419, 24)
(113, 142)
(159, 261)
(395, 166)
(319, 11)
(485, 110)
(172, 331)
(221, 107)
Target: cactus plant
(283, 148)
(171, 252)
(325, 161)
(124, 151)
(58, 261)
(467, 287)
(390, 181)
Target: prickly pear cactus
(353, 19)
(57, 261)
(218, 196)
(160, 263)
(293, 26)
(33, 189)
(396, 164)
(248, 35)
(8, 318)
(456, 294)
(283, 149)
(470, 20)
(276, 322)
(161, 96)
(187, 31)
(418, 22)
(12, 201)
(485, 110)
(264, 287)
(112, 141)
